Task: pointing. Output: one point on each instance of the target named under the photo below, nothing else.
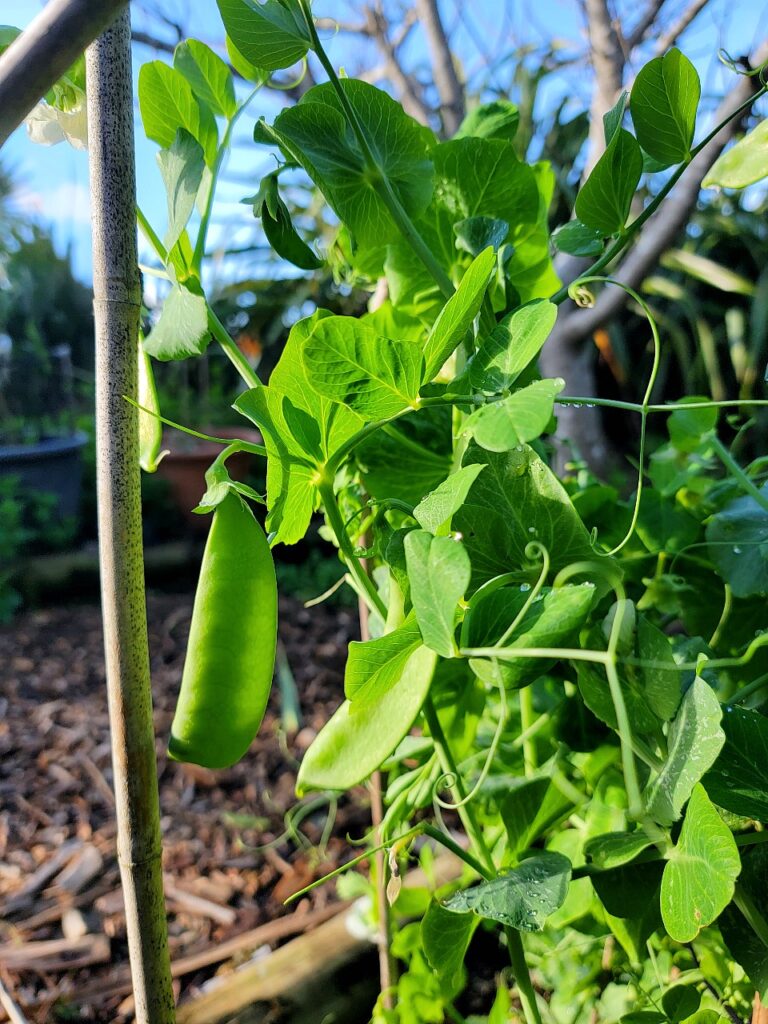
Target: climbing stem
(527, 722)
(522, 977)
(367, 588)
(744, 482)
(477, 839)
(232, 352)
(380, 180)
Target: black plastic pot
(53, 466)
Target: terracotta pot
(184, 467)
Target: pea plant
(563, 685)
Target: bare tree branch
(647, 21)
(407, 86)
(145, 39)
(670, 37)
(46, 49)
(449, 88)
(608, 61)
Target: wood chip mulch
(63, 951)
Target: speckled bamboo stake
(117, 297)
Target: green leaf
(604, 200)
(578, 239)
(287, 413)
(278, 226)
(289, 380)
(613, 849)
(315, 133)
(349, 363)
(661, 678)
(630, 891)
(374, 666)
(167, 103)
(742, 164)
(209, 76)
(7, 34)
(473, 234)
(150, 426)
(407, 460)
(664, 524)
(612, 120)
(663, 106)
(695, 739)
(498, 119)
(552, 620)
(738, 780)
(351, 746)
(680, 1001)
(439, 574)
(269, 34)
(699, 877)
(528, 809)
(522, 898)
(521, 417)
(749, 947)
(737, 537)
(517, 499)
(435, 510)
(511, 346)
(477, 178)
(181, 168)
(458, 313)
(182, 329)
(445, 937)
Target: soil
(225, 835)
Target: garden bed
(59, 880)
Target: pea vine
(537, 688)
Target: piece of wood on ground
(55, 954)
(41, 877)
(81, 870)
(290, 970)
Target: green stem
(623, 241)
(746, 691)
(380, 180)
(522, 977)
(233, 353)
(737, 472)
(151, 236)
(476, 838)
(205, 220)
(527, 721)
(667, 407)
(449, 766)
(336, 522)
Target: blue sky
(53, 182)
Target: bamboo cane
(117, 297)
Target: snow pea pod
(231, 653)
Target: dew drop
(737, 551)
(525, 587)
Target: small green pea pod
(231, 652)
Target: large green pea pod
(231, 652)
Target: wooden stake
(117, 299)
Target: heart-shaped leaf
(699, 877)
(521, 898)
